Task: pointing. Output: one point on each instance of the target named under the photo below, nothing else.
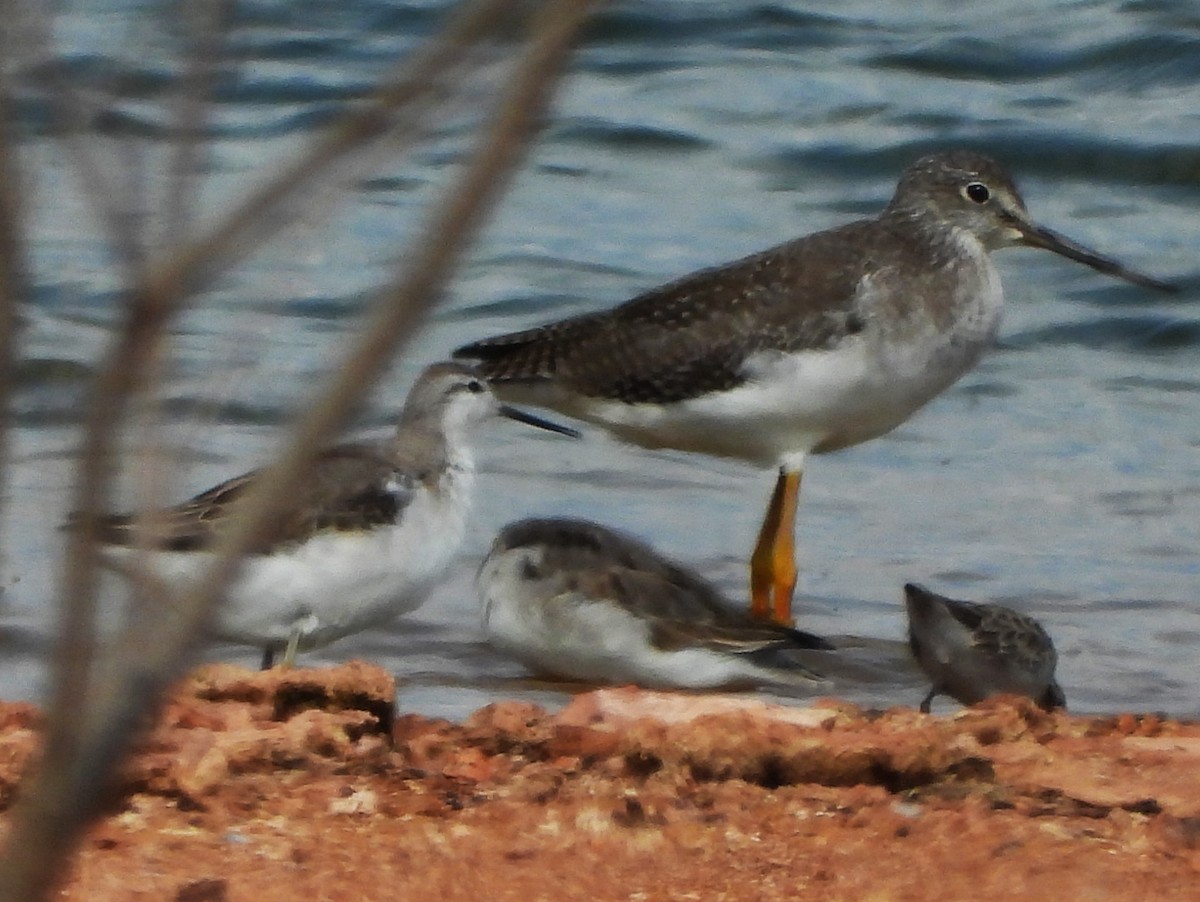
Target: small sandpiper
(574, 600)
(809, 347)
(971, 651)
(365, 537)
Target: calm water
(1062, 476)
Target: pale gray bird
(573, 599)
(364, 537)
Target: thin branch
(398, 310)
(14, 277)
(79, 758)
(205, 30)
(73, 118)
(162, 293)
(209, 28)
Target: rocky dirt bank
(303, 785)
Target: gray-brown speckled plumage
(693, 336)
(971, 651)
(818, 344)
(575, 599)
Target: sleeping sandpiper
(364, 538)
(815, 345)
(572, 599)
(971, 651)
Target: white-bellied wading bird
(815, 345)
(972, 651)
(363, 539)
(574, 600)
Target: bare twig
(91, 730)
(159, 296)
(210, 23)
(73, 118)
(14, 280)
(204, 36)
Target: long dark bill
(529, 419)
(1047, 239)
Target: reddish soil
(301, 785)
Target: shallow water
(1062, 476)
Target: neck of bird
(422, 445)
(944, 241)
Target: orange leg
(773, 564)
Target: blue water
(1062, 476)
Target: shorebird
(364, 538)
(572, 599)
(809, 347)
(971, 651)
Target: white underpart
(574, 636)
(335, 583)
(866, 386)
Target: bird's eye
(475, 386)
(978, 192)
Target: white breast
(336, 583)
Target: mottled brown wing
(671, 635)
(691, 336)
(731, 632)
(649, 583)
(1009, 633)
(189, 526)
(351, 487)
(684, 609)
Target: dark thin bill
(529, 419)
(1037, 236)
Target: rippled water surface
(1061, 476)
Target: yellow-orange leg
(773, 564)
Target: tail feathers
(162, 533)
(795, 673)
